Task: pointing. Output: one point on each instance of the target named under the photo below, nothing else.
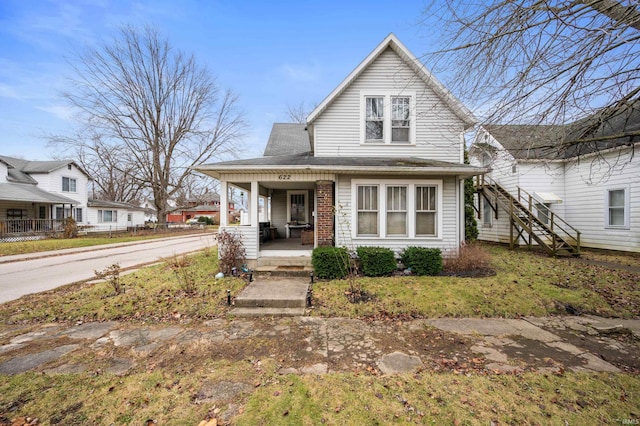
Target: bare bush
(471, 257)
(180, 265)
(111, 274)
(230, 251)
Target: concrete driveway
(33, 273)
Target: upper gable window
(387, 118)
(68, 184)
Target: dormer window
(388, 118)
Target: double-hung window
(374, 127)
(617, 208)
(387, 117)
(396, 210)
(367, 200)
(426, 210)
(68, 184)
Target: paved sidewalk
(311, 345)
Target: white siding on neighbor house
(544, 177)
(52, 182)
(3, 172)
(94, 225)
(448, 242)
(587, 183)
(438, 132)
(249, 237)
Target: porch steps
(290, 266)
(272, 297)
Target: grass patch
(153, 294)
(525, 284)
(171, 397)
(24, 247)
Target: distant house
(207, 205)
(35, 196)
(592, 185)
(378, 163)
(113, 216)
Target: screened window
(426, 210)
(617, 208)
(375, 119)
(397, 210)
(68, 184)
(367, 201)
(400, 119)
(107, 216)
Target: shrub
(330, 262)
(377, 261)
(231, 251)
(422, 260)
(70, 228)
(111, 274)
(206, 220)
(471, 256)
(181, 267)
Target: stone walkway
(311, 345)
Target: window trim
(376, 211)
(411, 208)
(387, 96)
(607, 209)
(75, 184)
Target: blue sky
(272, 53)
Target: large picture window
(426, 210)
(367, 210)
(397, 210)
(106, 216)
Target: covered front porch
(288, 214)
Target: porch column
(224, 203)
(324, 212)
(254, 211)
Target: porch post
(224, 203)
(254, 211)
(324, 213)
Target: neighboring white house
(113, 216)
(594, 185)
(36, 195)
(378, 163)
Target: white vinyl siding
(339, 130)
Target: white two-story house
(380, 162)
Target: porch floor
(285, 244)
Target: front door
(297, 207)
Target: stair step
(282, 271)
(284, 261)
(267, 312)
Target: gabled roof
(392, 42)
(286, 139)
(598, 132)
(19, 169)
(31, 194)
(307, 162)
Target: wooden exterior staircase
(527, 219)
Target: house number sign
(284, 177)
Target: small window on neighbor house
(79, 214)
(487, 213)
(68, 184)
(42, 212)
(514, 169)
(374, 127)
(129, 217)
(68, 166)
(16, 214)
(617, 214)
(543, 212)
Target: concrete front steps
(272, 297)
(283, 266)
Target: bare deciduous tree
(298, 113)
(541, 61)
(155, 108)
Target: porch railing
(12, 227)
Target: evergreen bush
(422, 260)
(377, 261)
(330, 262)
